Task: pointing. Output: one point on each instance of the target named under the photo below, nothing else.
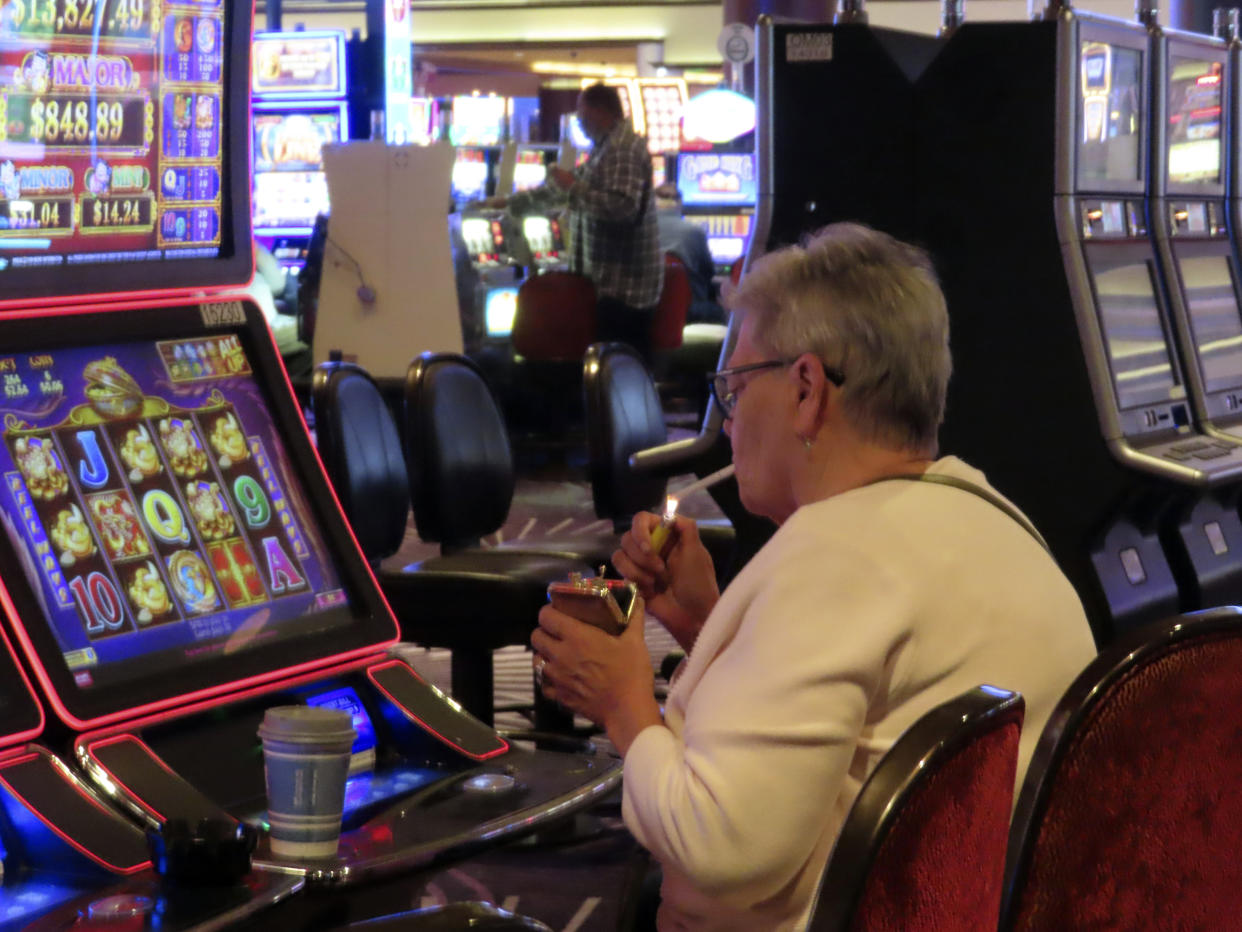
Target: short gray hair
(870, 306)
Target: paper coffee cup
(305, 761)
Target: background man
(612, 222)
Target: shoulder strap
(978, 491)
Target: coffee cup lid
(306, 723)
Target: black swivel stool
(469, 599)
(624, 416)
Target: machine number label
(219, 313)
(808, 46)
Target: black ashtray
(215, 852)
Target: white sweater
(863, 612)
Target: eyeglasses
(727, 397)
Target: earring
(808, 442)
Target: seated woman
(874, 601)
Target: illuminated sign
(398, 81)
(299, 64)
(718, 116)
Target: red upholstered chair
(555, 317)
(923, 847)
(1131, 813)
(675, 298)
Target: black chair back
(361, 452)
(623, 416)
(923, 845)
(309, 279)
(457, 452)
(1130, 816)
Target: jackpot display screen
(290, 186)
(716, 178)
(154, 508)
(477, 121)
(1134, 333)
(113, 142)
(1195, 95)
(1212, 301)
(299, 64)
(1110, 114)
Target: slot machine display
(1190, 223)
(1070, 314)
(476, 128)
(172, 558)
(470, 176)
(718, 192)
(487, 245)
(298, 85)
(531, 167)
(113, 147)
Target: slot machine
(1032, 197)
(718, 191)
(299, 89)
(487, 245)
(1191, 130)
(173, 560)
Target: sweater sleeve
(771, 727)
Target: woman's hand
(600, 676)
(681, 589)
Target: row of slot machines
(1076, 181)
(173, 560)
(493, 253)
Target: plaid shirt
(614, 239)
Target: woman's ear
(812, 386)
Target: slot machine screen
(290, 186)
(529, 171)
(118, 169)
(1212, 300)
(469, 180)
(1110, 114)
(1196, 92)
(717, 178)
(299, 64)
(1134, 335)
(477, 121)
(151, 504)
(500, 311)
(543, 236)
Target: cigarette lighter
(662, 536)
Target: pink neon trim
(24, 736)
(69, 840)
(504, 745)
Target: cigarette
(661, 534)
(706, 482)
